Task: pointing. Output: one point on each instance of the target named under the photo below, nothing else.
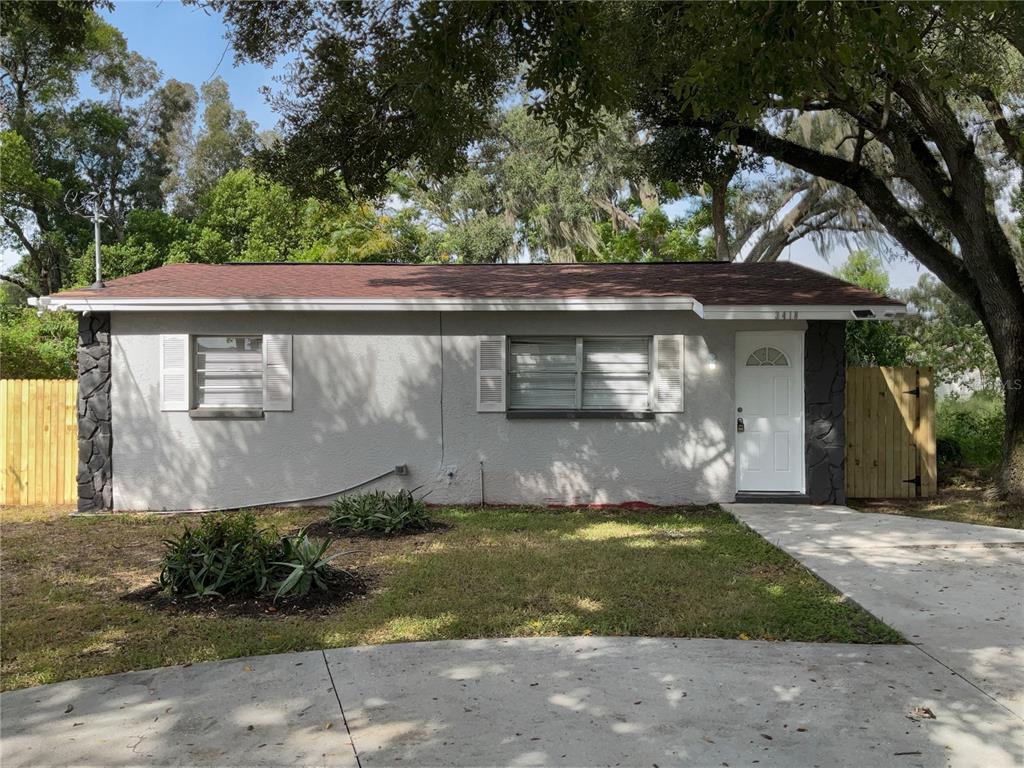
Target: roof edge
(421, 304)
(585, 304)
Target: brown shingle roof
(711, 283)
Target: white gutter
(101, 304)
(602, 304)
(805, 312)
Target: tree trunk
(1005, 326)
(773, 241)
(719, 188)
(1011, 476)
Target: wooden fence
(890, 433)
(39, 441)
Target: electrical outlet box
(401, 470)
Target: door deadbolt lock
(739, 425)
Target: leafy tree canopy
(871, 343)
(57, 146)
(517, 197)
(247, 217)
(943, 333)
(37, 347)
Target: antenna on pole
(87, 205)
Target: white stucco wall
(367, 395)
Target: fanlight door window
(767, 356)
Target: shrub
(379, 511)
(970, 432)
(304, 563)
(229, 554)
(34, 347)
(949, 452)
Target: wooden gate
(890, 433)
(38, 441)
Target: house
(219, 386)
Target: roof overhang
(584, 304)
(805, 312)
(101, 304)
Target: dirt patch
(325, 530)
(962, 499)
(343, 588)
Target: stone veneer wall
(95, 471)
(824, 392)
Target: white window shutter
(669, 353)
(490, 373)
(277, 372)
(174, 372)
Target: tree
(43, 46)
(37, 347)
(768, 206)
(945, 334)
(518, 197)
(378, 85)
(1018, 205)
(169, 116)
(150, 239)
(248, 217)
(23, 189)
(224, 141)
(120, 146)
(871, 343)
(43, 49)
(940, 332)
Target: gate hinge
(915, 481)
(916, 392)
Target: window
(216, 377)
(767, 356)
(228, 371)
(607, 373)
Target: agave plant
(306, 559)
(378, 511)
(224, 555)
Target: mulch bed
(343, 588)
(324, 530)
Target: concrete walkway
(955, 590)
(547, 701)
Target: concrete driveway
(954, 590)
(547, 701)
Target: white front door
(770, 411)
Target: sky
(188, 44)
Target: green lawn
(494, 572)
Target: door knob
(739, 425)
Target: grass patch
(492, 573)
(965, 498)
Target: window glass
(569, 372)
(229, 371)
(767, 356)
(616, 373)
(542, 373)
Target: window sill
(226, 413)
(582, 414)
